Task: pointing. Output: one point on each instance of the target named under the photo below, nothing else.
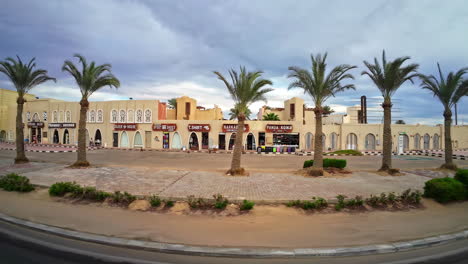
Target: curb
(255, 252)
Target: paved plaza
(178, 175)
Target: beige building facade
(152, 124)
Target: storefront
(284, 140)
(56, 127)
(229, 128)
(204, 129)
(165, 129)
(123, 141)
(35, 134)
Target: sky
(165, 49)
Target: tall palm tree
(24, 78)
(448, 90)
(388, 77)
(91, 78)
(245, 89)
(233, 113)
(320, 86)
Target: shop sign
(279, 128)
(199, 128)
(165, 127)
(62, 125)
(127, 127)
(35, 124)
(232, 128)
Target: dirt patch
(327, 173)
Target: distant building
(151, 124)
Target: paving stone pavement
(257, 186)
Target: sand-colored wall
(7, 105)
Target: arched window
(55, 117)
(123, 116)
(137, 142)
(114, 116)
(370, 142)
(92, 116)
(36, 117)
(435, 144)
(176, 142)
(124, 140)
(44, 116)
(130, 116)
(99, 116)
(427, 141)
(68, 116)
(139, 116)
(28, 116)
(417, 141)
(333, 141)
(351, 141)
(148, 116)
(309, 141)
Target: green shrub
(347, 152)
(155, 201)
(247, 205)
(445, 190)
(91, 193)
(341, 202)
(123, 198)
(373, 201)
(15, 182)
(334, 163)
(196, 202)
(169, 203)
(295, 203)
(220, 201)
(462, 176)
(62, 188)
(392, 198)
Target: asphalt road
(23, 245)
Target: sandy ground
(265, 226)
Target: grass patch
(346, 152)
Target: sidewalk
(265, 226)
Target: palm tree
(388, 78)
(172, 103)
(320, 87)
(245, 89)
(448, 90)
(271, 117)
(327, 110)
(24, 78)
(90, 79)
(233, 113)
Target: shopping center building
(152, 124)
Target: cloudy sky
(165, 49)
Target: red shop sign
(165, 127)
(279, 128)
(199, 128)
(126, 127)
(233, 128)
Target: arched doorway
(436, 144)
(137, 141)
(66, 137)
(309, 141)
(56, 138)
(351, 141)
(417, 141)
(333, 141)
(176, 142)
(405, 142)
(124, 140)
(250, 142)
(98, 138)
(427, 140)
(193, 141)
(232, 141)
(370, 142)
(2, 136)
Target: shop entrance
(66, 137)
(193, 142)
(251, 142)
(36, 135)
(232, 141)
(55, 138)
(147, 139)
(261, 139)
(165, 140)
(3, 136)
(176, 142)
(222, 141)
(205, 140)
(97, 138)
(286, 139)
(115, 139)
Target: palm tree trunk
(318, 147)
(20, 154)
(81, 156)
(236, 156)
(387, 136)
(448, 141)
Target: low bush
(327, 163)
(196, 202)
(62, 188)
(295, 203)
(347, 152)
(348, 203)
(14, 182)
(247, 205)
(462, 176)
(123, 198)
(220, 201)
(91, 193)
(445, 190)
(315, 203)
(373, 201)
(169, 203)
(155, 201)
